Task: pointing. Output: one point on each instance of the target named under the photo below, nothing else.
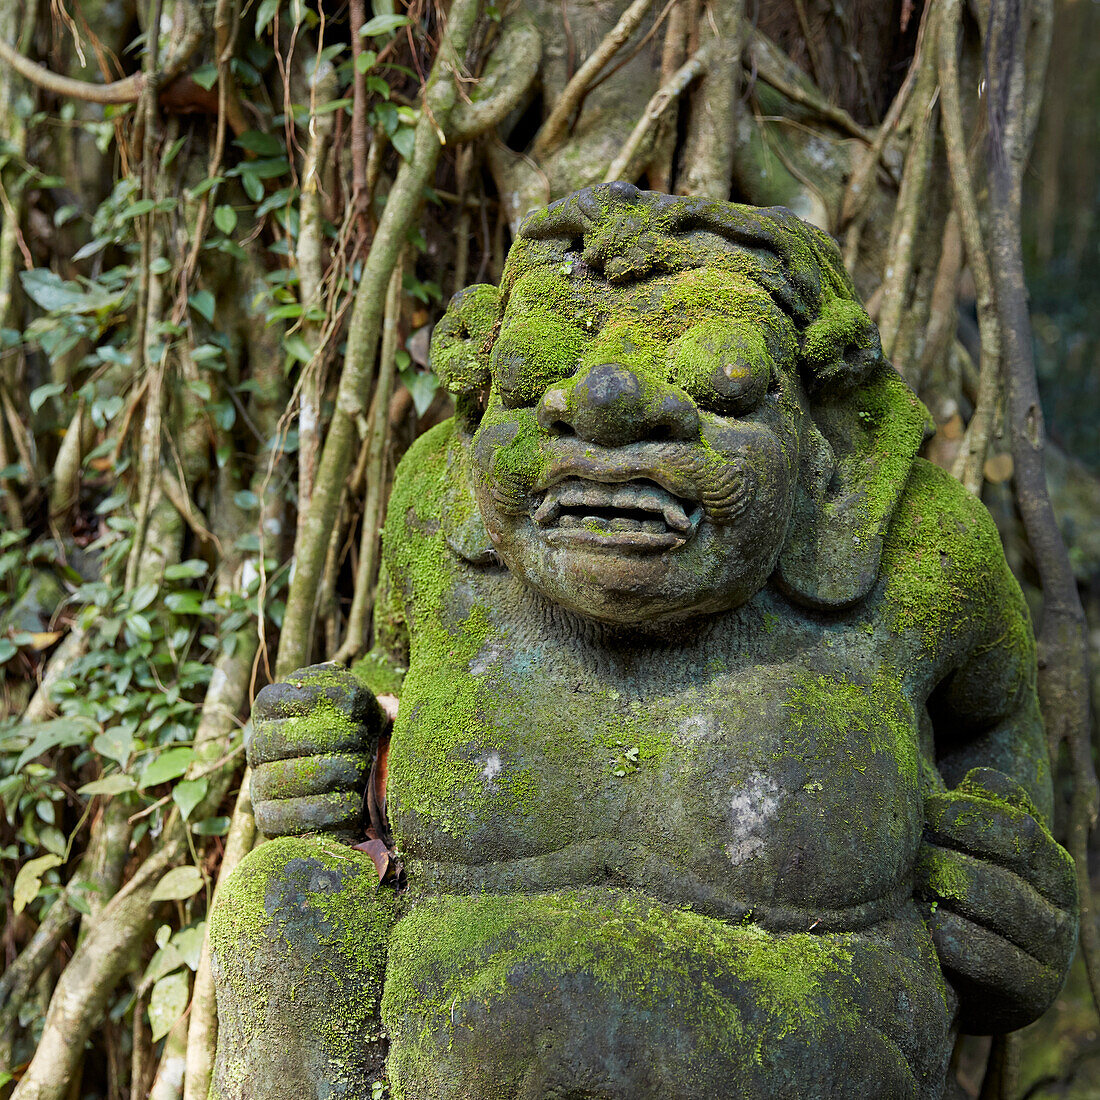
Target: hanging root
(625, 165)
(712, 125)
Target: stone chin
(640, 534)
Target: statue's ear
(463, 528)
(459, 356)
(857, 451)
(462, 339)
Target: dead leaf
(387, 867)
(417, 345)
(998, 468)
(953, 428)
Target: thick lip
(669, 465)
(615, 512)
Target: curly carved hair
(622, 235)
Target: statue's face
(638, 457)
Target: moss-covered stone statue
(718, 770)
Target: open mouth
(635, 513)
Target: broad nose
(613, 405)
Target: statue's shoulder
(943, 564)
(421, 480)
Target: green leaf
(170, 764)
(253, 187)
(267, 169)
(188, 941)
(404, 141)
(188, 794)
(203, 302)
(265, 13)
(383, 24)
(143, 596)
(42, 394)
(138, 208)
(167, 959)
(225, 218)
(297, 348)
(205, 185)
(376, 84)
(261, 144)
(29, 880)
(185, 570)
(116, 744)
(168, 1002)
(57, 296)
(140, 625)
(179, 883)
(50, 291)
(422, 387)
(64, 214)
(173, 149)
(206, 76)
(53, 840)
(109, 784)
(50, 735)
(282, 313)
(184, 603)
(211, 826)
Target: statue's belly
(786, 795)
(604, 993)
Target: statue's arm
(1002, 891)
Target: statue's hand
(312, 743)
(1004, 901)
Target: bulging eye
(530, 356)
(725, 366)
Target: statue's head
(674, 400)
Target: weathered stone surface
(718, 770)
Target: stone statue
(718, 770)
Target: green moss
(844, 720)
(635, 951)
(460, 342)
(300, 934)
(376, 671)
(446, 706)
(944, 876)
(835, 342)
(946, 578)
(518, 463)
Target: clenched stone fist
(1004, 900)
(311, 749)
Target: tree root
(553, 130)
(712, 126)
(624, 166)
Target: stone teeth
(547, 510)
(675, 516)
(578, 494)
